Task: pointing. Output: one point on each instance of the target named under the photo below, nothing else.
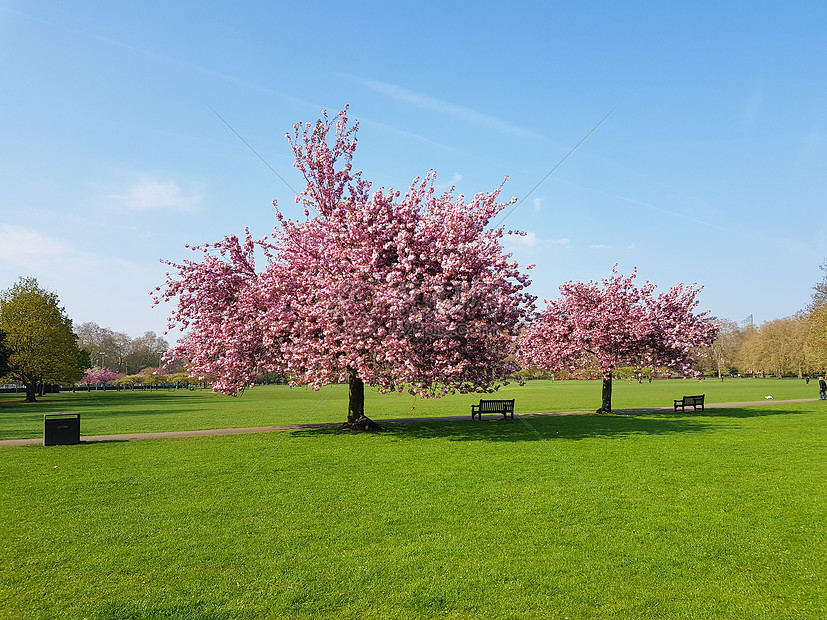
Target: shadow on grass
(532, 428)
(15, 403)
(92, 404)
(759, 411)
(729, 412)
(577, 426)
(155, 610)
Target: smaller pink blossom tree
(103, 376)
(599, 328)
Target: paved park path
(287, 427)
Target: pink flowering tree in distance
(598, 328)
(102, 376)
(405, 291)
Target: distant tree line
(792, 346)
(118, 352)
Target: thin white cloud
(533, 244)
(91, 286)
(600, 246)
(27, 252)
(751, 109)
(443, 107)
(154, 54)
(528, 240)
(661, 210)
(444, 187)
(151, 194)
(27, 249)
(538, 204)
(401, 132)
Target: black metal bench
(694, 401)
(493, 406)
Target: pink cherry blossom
(598, 328)
(102, 376)
(405, 291)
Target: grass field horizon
(112, 412)
(630, 516)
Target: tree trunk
(31, 392)
(606, 407)
(356, 420)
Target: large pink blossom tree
(398, 290)
(594, 327)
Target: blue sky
(711, 167)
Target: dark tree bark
(356, 420)
(606, 407)
(31, 392)
(356, 397)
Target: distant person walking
(822, 389)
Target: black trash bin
(61, 429)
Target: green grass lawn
(635, 515)
(104, 413)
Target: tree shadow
(759, 411)
(755, 411)
(150, 402)
(530, 428)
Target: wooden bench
(493, 406)
(686, 401)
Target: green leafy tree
(4, 354)
(41, 344)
